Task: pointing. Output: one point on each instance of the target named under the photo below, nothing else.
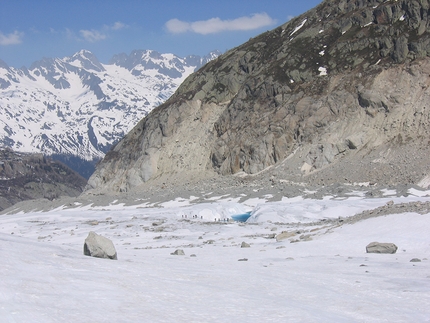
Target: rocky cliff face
(339, 94)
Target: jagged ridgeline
(339, 93)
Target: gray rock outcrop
(98, 246)
(378, 247)
(344, 82)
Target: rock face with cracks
(338, 94)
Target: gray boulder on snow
(99, 247)
(178, 252)
(378, 247)
(245, 245)
(284, 235)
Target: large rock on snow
(285, 235)
(245, 245)
(178, 252)
(98, 246)
(378, 247)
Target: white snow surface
(322, 70)
(46, 278)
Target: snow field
(46, 277)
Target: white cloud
(176, 26)
(95, 35)
(216, 25)
(118, 25)
(92, 35)
(11, 39)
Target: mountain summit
(338, 94)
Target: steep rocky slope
(338, 94)
(31, 176)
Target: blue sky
(33, 29)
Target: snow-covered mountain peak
(212, 55)
(86, 60)
(168, 65)
(3, 65)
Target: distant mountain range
(75, 108)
